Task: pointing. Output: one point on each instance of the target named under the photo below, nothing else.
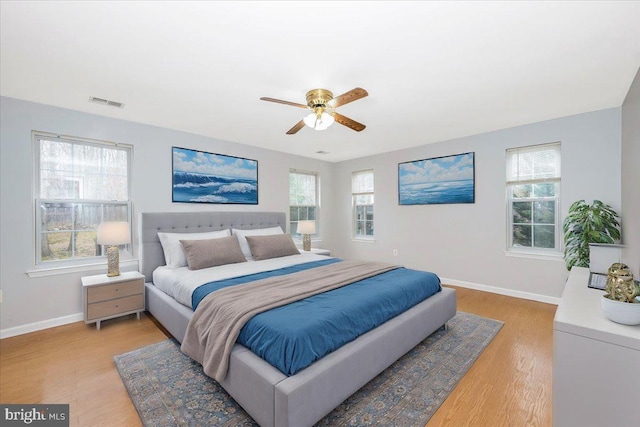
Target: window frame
(355, 205)
(297, 236)
(556, 251)
(64, 264)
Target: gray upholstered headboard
(151, 254)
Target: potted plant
(595, 223)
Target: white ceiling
(434, 70)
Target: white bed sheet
(179, 283)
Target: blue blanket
(294, 336)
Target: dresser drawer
(115, 290)
(115, 306)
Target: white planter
(621, 312)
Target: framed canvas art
(439, 180)
(201, 177)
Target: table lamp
(112, 234)
(306, 228)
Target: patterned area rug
(169, 389)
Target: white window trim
(556, 253)
(354, 236)
(315, 238)
(82, 268)
(41, 269)
(363, 239)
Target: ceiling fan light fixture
(319, 121)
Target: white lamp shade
(310, 120)
(307, 227)
(114, 233)
(322, 123)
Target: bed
(269, 396)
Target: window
(533, 198)
(362, 194)
(303, 199)
(79, 184)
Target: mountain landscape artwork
(201, 177)
(448, 179)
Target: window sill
(54, 271)
(555, 256)
(363, 239)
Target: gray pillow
(265, 247)
(212, 252)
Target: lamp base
(306, 242)
(113, 261)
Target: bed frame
(269, 396)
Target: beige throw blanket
(216, 324)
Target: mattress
(293, 336)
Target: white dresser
(596, 362)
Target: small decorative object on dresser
(620, 303)
(306, 228)
(105, 297)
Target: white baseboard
(502, 291)
(38, 326)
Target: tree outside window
(362, 190)
(533, 196)
(80, 184)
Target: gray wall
(29, 300)
(631, 176)
(467, 243)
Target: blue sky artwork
(439, 180)
(200, 177)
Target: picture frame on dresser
(203, 177)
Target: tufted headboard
(151, 254)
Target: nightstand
(106, 297)
(317, 251)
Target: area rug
(169, 389)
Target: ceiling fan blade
(346, 121)
(280, 101)
(345, 98)
(296, 128)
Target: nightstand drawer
(115, 290)
(115, 306)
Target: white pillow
(173, 252)
(244, 245)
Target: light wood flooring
(509, 384)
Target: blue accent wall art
(201, 177)
(439, 180)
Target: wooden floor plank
(509, 385)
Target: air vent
(106, 102)
(322, 152)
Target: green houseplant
(595, 223)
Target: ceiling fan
(322, 105)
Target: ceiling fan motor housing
(318, 97)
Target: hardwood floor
(509, 384)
